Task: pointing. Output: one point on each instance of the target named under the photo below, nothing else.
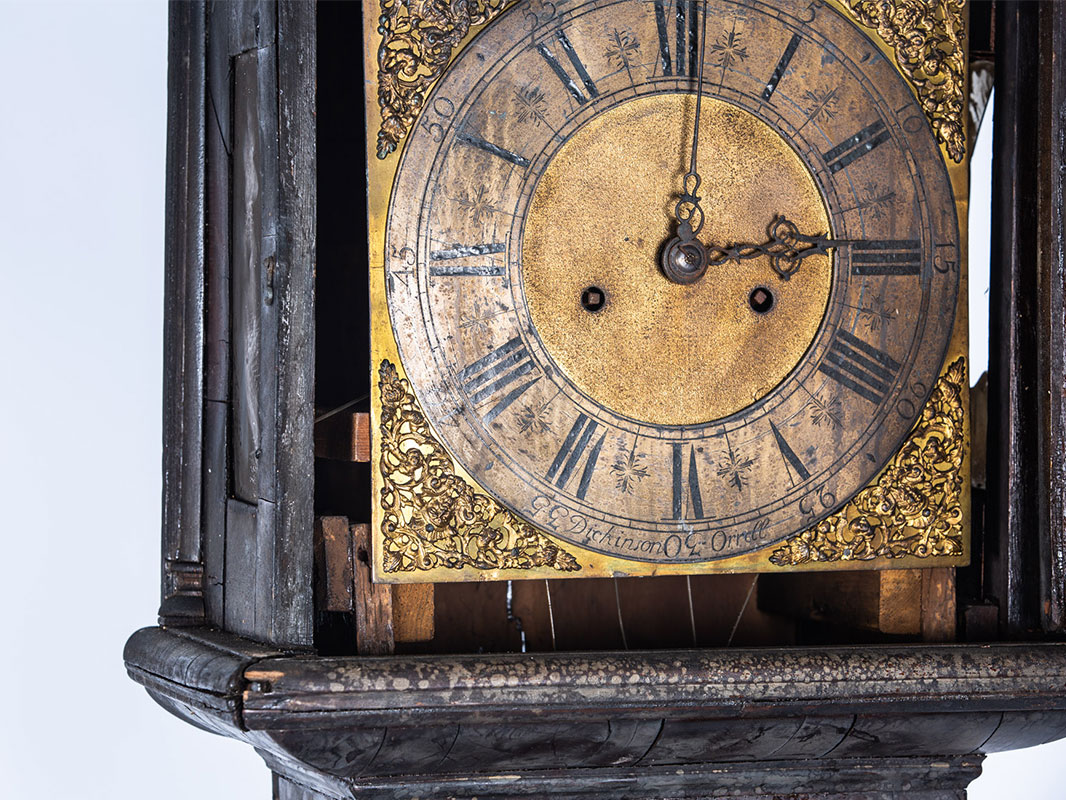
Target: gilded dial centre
(659, 351)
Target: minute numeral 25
(570, 452)
(568, 82)
(493, 373)
(859, 366)
(682, 23)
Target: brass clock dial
(614, 407)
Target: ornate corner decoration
(417, 39)
(915, 508)
(927, 37)
(434, 518)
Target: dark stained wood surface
(183, 308)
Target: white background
(82, 146)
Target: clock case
(268, 615)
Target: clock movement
(665, 285)
(573, 398)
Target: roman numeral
(782, 65)
(789, 455)
(685, 15)
(856, 146)
(692, 483)
(561, 73)
(858, 366)
(494, 149)
(465, 251)
(886, 257)
(569, 455)
(491, 374)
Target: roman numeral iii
(859, 366)
(886, 257)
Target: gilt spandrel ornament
(433, 518)
(915, 506)
(417, 39)
(927, 39)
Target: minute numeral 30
(568, 82)
(859, 366)
(491, 374)
(856, 146)
(571, 451)
(678, 18)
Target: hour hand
(786, 247)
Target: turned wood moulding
(261, 633)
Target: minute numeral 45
(859, 366)
(886, 257)
(856, 146)
(677, 18)
(691, 482)
(492, 374)
(560, 71)
(571, 451)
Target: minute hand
(786, 247)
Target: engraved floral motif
(622, 49)
(734, 468)
(417, 39)
(927, 39)
(532, 105)
(628, 467)
(728, 49)
(914, 508)
(433, 518)
(826, 410)
(477, 205)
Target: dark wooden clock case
(265, 114)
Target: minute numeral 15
(859, 366)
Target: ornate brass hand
(786, 247)
(683, 258)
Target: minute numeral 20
(494, 372)
(569, 455)
(886, 257)
(683, 482)
(684, 19)
(561, 73)
(859, 366)
(856, 146)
